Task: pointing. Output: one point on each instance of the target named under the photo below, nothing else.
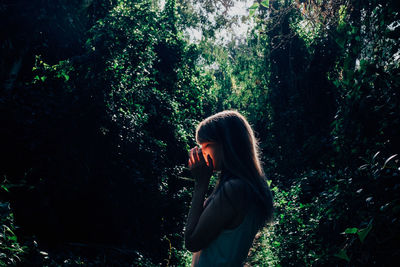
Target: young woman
(220, 230)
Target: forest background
(99, 102)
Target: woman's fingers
(196, 154)
(201, 157)
(198, 166)
(191, 155)
(196, 157)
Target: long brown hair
(240, 153)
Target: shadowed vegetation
(99, 102)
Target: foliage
(316, 82)
(342, 201)
(366, 77)
(101, 99)
(107, 134)
(11, 250)
(295, 237)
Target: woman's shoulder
(235, 190)
(233, 183)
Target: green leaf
(12, 238)
(362, 233)
(253, 8)
(255, 5)
(340, 41)
(336, 83)
(276, 244)
(265, 3)
(342, 255)
(5, 188)
(353, 230)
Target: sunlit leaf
(255, 6)
(351, 230)
(363, 167)
(265, 3)
(276, 244)
(376, 154)
(12, 238)
(5, 188)
(388, 160)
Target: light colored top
(231, 246)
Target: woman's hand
(201, 172)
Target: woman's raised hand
(201, 172)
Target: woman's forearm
(195, 211)
(201, 172)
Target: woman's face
(215, 151)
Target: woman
(221, 229)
